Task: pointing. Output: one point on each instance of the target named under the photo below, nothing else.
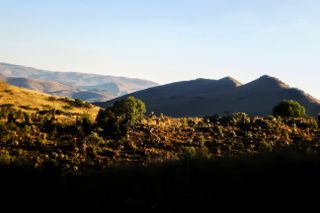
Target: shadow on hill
(279, 180)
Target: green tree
(289, 108)
(122, 115)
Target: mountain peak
(200, 98)
(231, 80)
(270, 80)
(202, 79)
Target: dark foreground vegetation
(124, 160)
(278, 181)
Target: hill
(33, 101)
(59, 89)
(41, 86)
(89, 87)
(160, 163)
(202, 97)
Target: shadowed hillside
(208, 97)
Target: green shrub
(192, 153)
(94, 139)
(122, 115)
(240, 118)
(52, 98)
(79, 103)
(188, 153)
(85, 124)
(289, 108)
(5, 157)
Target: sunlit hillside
(32, 101)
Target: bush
(289, 109)
(94, 139)
(52, 98)
(5, 157)
(123, 114)
(80, 103)
(85, 124)
(75, 103)
(240, 118)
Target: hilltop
(203, 97)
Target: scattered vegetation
(122, 134)
(93, 161)
(75, 103)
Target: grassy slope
(30, 101)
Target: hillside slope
(59, 89)
(202, 97)
(101, 87)
(41, 86)
(33, 101)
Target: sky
(167, 40)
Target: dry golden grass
(30, 101)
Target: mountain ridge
(102, 87)
(201, 97)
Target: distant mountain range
(198, 97)
(89, 87)
(202, 97)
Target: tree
(289, 108)
(122, 115)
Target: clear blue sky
(167, 40)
